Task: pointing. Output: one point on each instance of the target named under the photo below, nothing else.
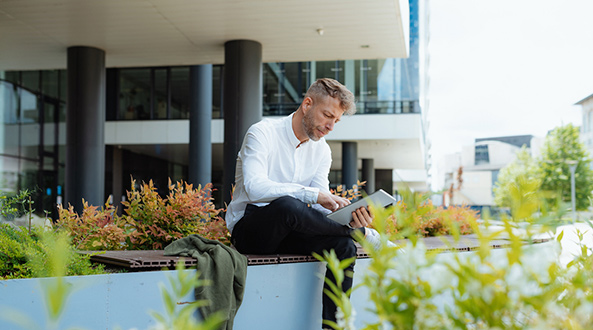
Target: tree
(518, 184)
(563, 146)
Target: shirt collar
(294, 141)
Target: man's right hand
(331, 202)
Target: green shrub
(24, 255)
(15, 205)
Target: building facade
(152, 113)
(480, 164)
(587, 125)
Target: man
(282, 195)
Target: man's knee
(345, 248)
(287, 203)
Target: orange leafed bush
(415, 214)
(96, 229)
(149, 220)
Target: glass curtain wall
(158, 93)
(382, 86)
(33, 111)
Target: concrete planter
(277, 296)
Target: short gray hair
(329, 87)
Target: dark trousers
(288, 225)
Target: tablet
(379, 198)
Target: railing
(362, 107)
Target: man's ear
(307, 104)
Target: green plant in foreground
(56, 292)
(345, 312)
(24, 255)
(183, 318)
(519, 287)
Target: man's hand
(361, 218)
(331, 202)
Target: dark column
(368, 175)
(349, 164)
(85, 120)
(200, 121)
(242, 100)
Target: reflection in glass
(134, 94)
(8, 103)
(331, 69)
(179, 93)
(10, 174)
(285, 85)
(29, 129)
(50, 83)
(160, 93)
(30, 80)
(216, 91)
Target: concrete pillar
(85, 121)
(349, 164)
(368, 175)
(200, 123)
(242, 101)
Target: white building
(587, 126)
(480, 164)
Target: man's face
(321, 116)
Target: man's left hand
(361, 218)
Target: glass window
(217, 91)
(10, 174)
(330, 69)
(285, 84)
(63, 85)
(134, 95)
(294, 83)
(160, 93)
(8, 103)
(179, 93)
(9, 129)
(31, 80)
(12, 76)
(271, 89)
(28, 107)
(481, 155)
(29, 129)
(50, 83)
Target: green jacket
(224, 267)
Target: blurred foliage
(562, 146)
(24, 255)
(416, 215)
(56, 292)
(520, 178)
(523, 286)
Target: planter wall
(277, 296)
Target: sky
(502, 67)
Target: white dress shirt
(272, 164)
